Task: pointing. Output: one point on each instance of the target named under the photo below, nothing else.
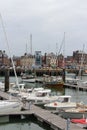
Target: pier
(44, 116)
(80, 87)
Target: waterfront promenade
(44, 116)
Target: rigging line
(61, 44)
(9, 49)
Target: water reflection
(23, 124)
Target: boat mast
(82, 60)
(9, 49)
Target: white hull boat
(9, 106)
(74, 113)
(62, 102)
(41, 96)
(29, 80)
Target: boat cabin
(43, 93)
(64, 98)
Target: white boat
(42, 96)
(62, 102)
(9, 106)
(30, 91)
(79, 112)
(82, 83)
(2, 85)
(33, 80)
(71, 80)
(28, 78)
(16, 89)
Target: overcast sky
(46, 20)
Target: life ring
(55, 104)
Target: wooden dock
(44, 116)
(83, 88)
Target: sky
(47, 21)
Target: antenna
(26, 48)
(31, 44)
(62, 44)
(64, 51)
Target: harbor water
(22, 124)
(31, 124)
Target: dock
(83, 88)
(44, 116)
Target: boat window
(41, 94)
(63, 99)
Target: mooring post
(6, 80)
(63, 75)
(68, 124)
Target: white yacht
(42, 96)
(9, 106)
(62, 102)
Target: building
(38, 58)
(27, 61)
(51, 59)
(4, 60)
(80, 56)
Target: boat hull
(73, 115)
(9, 106)
(54, 85)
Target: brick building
(4, 60)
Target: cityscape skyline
(46, 20)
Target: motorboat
(2, 85)
(16, 89)
(79, 112)
(28, 78)
(53, 81)
(70, 80)
(28, 92)
(82, 83)
(10, 105)
(41, 96)
(63, 102)
(33, 80)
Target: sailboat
(10, 104)
(55, 81)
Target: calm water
(25, 124)
(32, 125)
